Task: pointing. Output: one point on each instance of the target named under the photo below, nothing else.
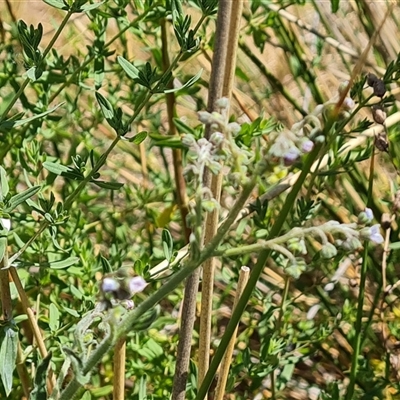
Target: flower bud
(365, 217)
(351, 244)
(291, 156)
(296, 245)
(307, 145)
(379, 88)
(217, 138)
(371, 79)
(348, 104)
(328, 250)
(234, 128)
(378, 114)
(222, 103)
(205, 117)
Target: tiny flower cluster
(346, 237)
(289, 145)
(121, 286)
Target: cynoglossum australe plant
(122, 224)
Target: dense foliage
(109, 139)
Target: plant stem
(185, 336)
(218, 78)
(358, 327)
(226, 362)
(180, 184)
(119, 370)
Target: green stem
(279, 326)
(358, 334)
(358, 328)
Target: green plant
(111, 172)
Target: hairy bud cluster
(346, 237)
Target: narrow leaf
(128, 67)
(167, 244)
(8, 356)
(93, 6)
(55, 168)
(21, 197)
(189, 83)
(3, 184)
(138, 138)
(108, 185)
(57, 4)
(54, 317)
(106, 107)
(8, 124)
(64, 263)
(3, 246)
(335, 5)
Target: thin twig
(119, 370)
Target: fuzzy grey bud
(328, 250)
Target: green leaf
(10, 123)
(394, 246)
(8, 356)
(3, 247)
(54, 318)
(138, 138)
(167, 243)
(128, 67)
(93, 6)
(63, 263)
(55, 168)
(21, 197)
(39, 391)
(106, 107)
(57, 4)
(173, 141)
(335, 5)
(189, 83)
(184, 128)
(108, 185)
(3, 184)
